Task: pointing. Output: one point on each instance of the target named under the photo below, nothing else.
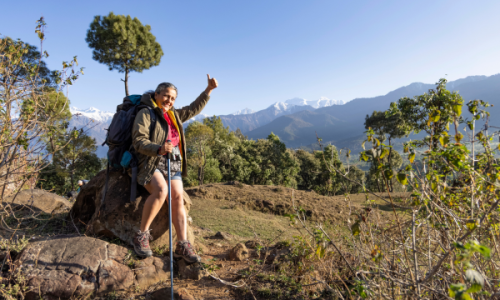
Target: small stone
(222, 236)
(239, 253)
(252, 244)
(184, 295)
(192, 271)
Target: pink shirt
(173, 135)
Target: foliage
(308, 174)
(31, 109)
(430, 249)
(77, 160)
(376, 180)
(331, 182)
(20, 71)
(198, 138)
(431, 112)
(123, 44)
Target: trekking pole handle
(169, 154)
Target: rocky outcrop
(61, 267)
(42, 200)
(117, 217)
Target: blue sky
(262, 52)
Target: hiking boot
(141, 243)
(185, 250)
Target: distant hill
(343, 124)
(296, 121)
(247, 120)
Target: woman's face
(166, 99)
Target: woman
(151, 149)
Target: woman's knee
(160, 193)
(177, 199)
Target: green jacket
(146, 150)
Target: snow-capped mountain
(244, 111)
(321, 102)
(93, 113)
(198, 118)
(95, 122)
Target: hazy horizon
(266, 52)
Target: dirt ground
(245, 213)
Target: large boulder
(66, 266)
(118, 217)
(47, 202)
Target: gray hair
(165, 85)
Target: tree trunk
(201, 174)
(390, 165)
(126, 82)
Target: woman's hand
(166, 148)
(212, 84)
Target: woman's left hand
(212, 84)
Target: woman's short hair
(165, 85)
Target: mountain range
(297, 121)
(343, 125)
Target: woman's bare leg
(179, 216)
(158, 190)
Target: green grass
(216, 215)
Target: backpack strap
(133, 187)
(105, 186)
(153, 121)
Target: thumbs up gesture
(212, 84)
(166, 148)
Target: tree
(222, 145)
(27, 96)
(123, 44)
(309, 166)
(431, 112)
(198, 137)
(382, 124)
(376, 178)
(284, 168)
(20, 72)
(77, 158)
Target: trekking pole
(169, 156)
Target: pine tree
(123, 44)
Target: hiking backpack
(119, 140)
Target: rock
(222, 236)
(252, 244)
(47, 202)
(192, 271)
(118, 217)
(164, 293)
(151, 270)
(67, 266)
(239, 253)
(184, 295)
